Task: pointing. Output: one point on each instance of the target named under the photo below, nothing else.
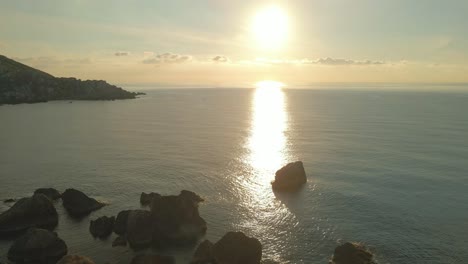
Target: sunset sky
(237, 43)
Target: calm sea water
(387, 168)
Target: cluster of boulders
(171, 220)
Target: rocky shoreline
(164, 221)
(20, 83)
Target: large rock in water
(139, 227)
(78, 204)
(35, 211)
(204, 254)
(102, 227)
(120, 224)
(147, 198)
(176, 219)
(38, 246)
(153, 259)
(290, 177)
(352, 253)
(237, 248)
(75, 259)
(51, 193)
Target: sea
(386, 166)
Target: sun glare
(270, 28)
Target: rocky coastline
(20, 83)
(164, 221)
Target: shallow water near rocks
(387, 168)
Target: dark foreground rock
(78, 204)
(147, 198)
(352, 253)
(204, 254)
(152, 259)
(232, 248)
(38, 246)
(139, 226)
(35, 211)
(75, 259)
(237, 248)
(120, 224)
(119, 241)
(290, 177)
(176, 219)
(51, 193)
(23, 84)
(102, 227)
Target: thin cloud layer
(168, 58)
(220, 59)
(122, 53)
(331, 61)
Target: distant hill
(20, 83)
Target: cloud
(122, 53)
(168, 58)
(331, 61)
(220, 59)
(148, 53)
(320, 61)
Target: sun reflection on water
(267, 150)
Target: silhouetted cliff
(23, 84)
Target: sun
(270, 28)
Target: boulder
(102, 227)
(78, 204)
(139, 227)
(352, 253)
(237, 248)
(119, 241)
(51, 193)
(153, 259)
(176, 219)
(38, 246)
(290, 177)
(75, 259)
(120, 224)
(35, 211)
(203, 254)
(146, 198)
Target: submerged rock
(139, 226)
(75, 259)
(146, 198)
(204, 253)
(102, 227)
(35, 211)
(51, 193)
(153, 259)
(9, 200)
(290, 177)
(352, 253)
(119, 241)
(78, 204)
(176, 219)
(38, 246)
(120, 224)
(237, 248)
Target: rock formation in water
(290, 177)
(38, 246)
(153, 259)
(102, 227)
(23, 84)
(232, 248)
(35, 211)
(78, 204)
(147, 198)
(352, 253)
(75, 259)
(172, 220)
(119, 241)
(51, 193)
